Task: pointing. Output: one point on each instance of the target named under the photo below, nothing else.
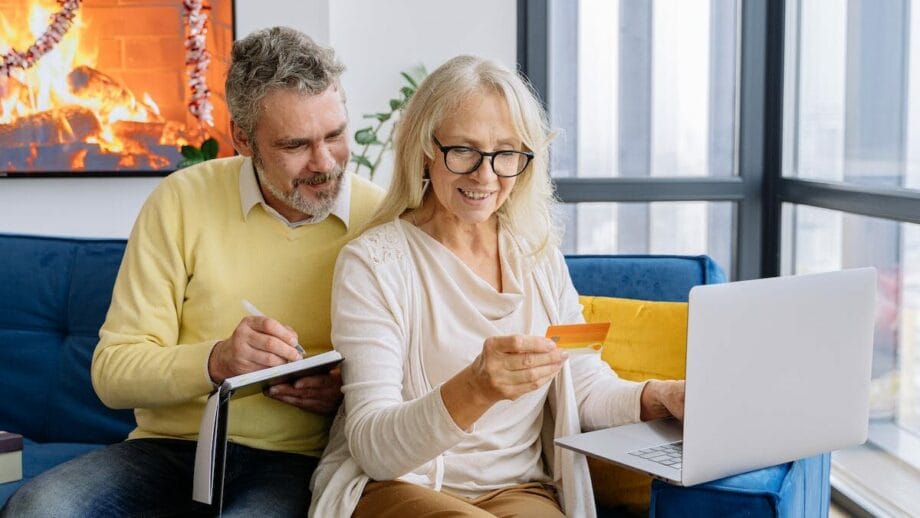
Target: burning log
(174, 134)
(91, 84)
(82, 122)
(61, 126)
(58, 158)
(47, 127)
(145, 134)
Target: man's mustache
(316, 179)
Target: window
(852, 170)
(674, 118)
(687, 228)
(823, 240)
(857, 85)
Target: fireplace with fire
(111, 87)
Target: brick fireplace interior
(112, 97)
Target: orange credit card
(579, 336)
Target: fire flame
(64, 91)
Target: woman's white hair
(529, 211)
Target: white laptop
(777, 369)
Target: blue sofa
(54, 293)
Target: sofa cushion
(791, 490)
(647, 340)
(38, 458)
(54, 294)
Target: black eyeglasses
(465, 160)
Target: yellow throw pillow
(647, 340)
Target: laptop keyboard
(666, 454)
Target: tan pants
(401, 499)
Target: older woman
(452, 395)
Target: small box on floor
(10, 457)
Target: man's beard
(317, 207)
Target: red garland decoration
(60, 24)
(197, 58)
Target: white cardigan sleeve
(387, 436)
(604, 400)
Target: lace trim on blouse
(383, 243)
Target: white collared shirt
(251, 195)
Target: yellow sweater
(190, 260)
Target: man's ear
(240, 140)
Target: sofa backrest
(646, 277)
(54, 294)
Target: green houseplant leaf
(209, 148)
(381, 117)
(362, 160)
(192, 153)
(366, 136)
(409, 79)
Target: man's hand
(256, 343)
(662, 399)
(321, 393)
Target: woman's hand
(507, 368)
(510, 366)
(662, 399)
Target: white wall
(309, 16)
(78, 207)
(375, 40)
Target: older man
(266, 226)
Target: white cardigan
(393, 422)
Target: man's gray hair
(277, 57)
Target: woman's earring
(426, 181)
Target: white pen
(254, 311)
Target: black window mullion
(760, 138)
(648, 189)
(532, 43)
(876, 202)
